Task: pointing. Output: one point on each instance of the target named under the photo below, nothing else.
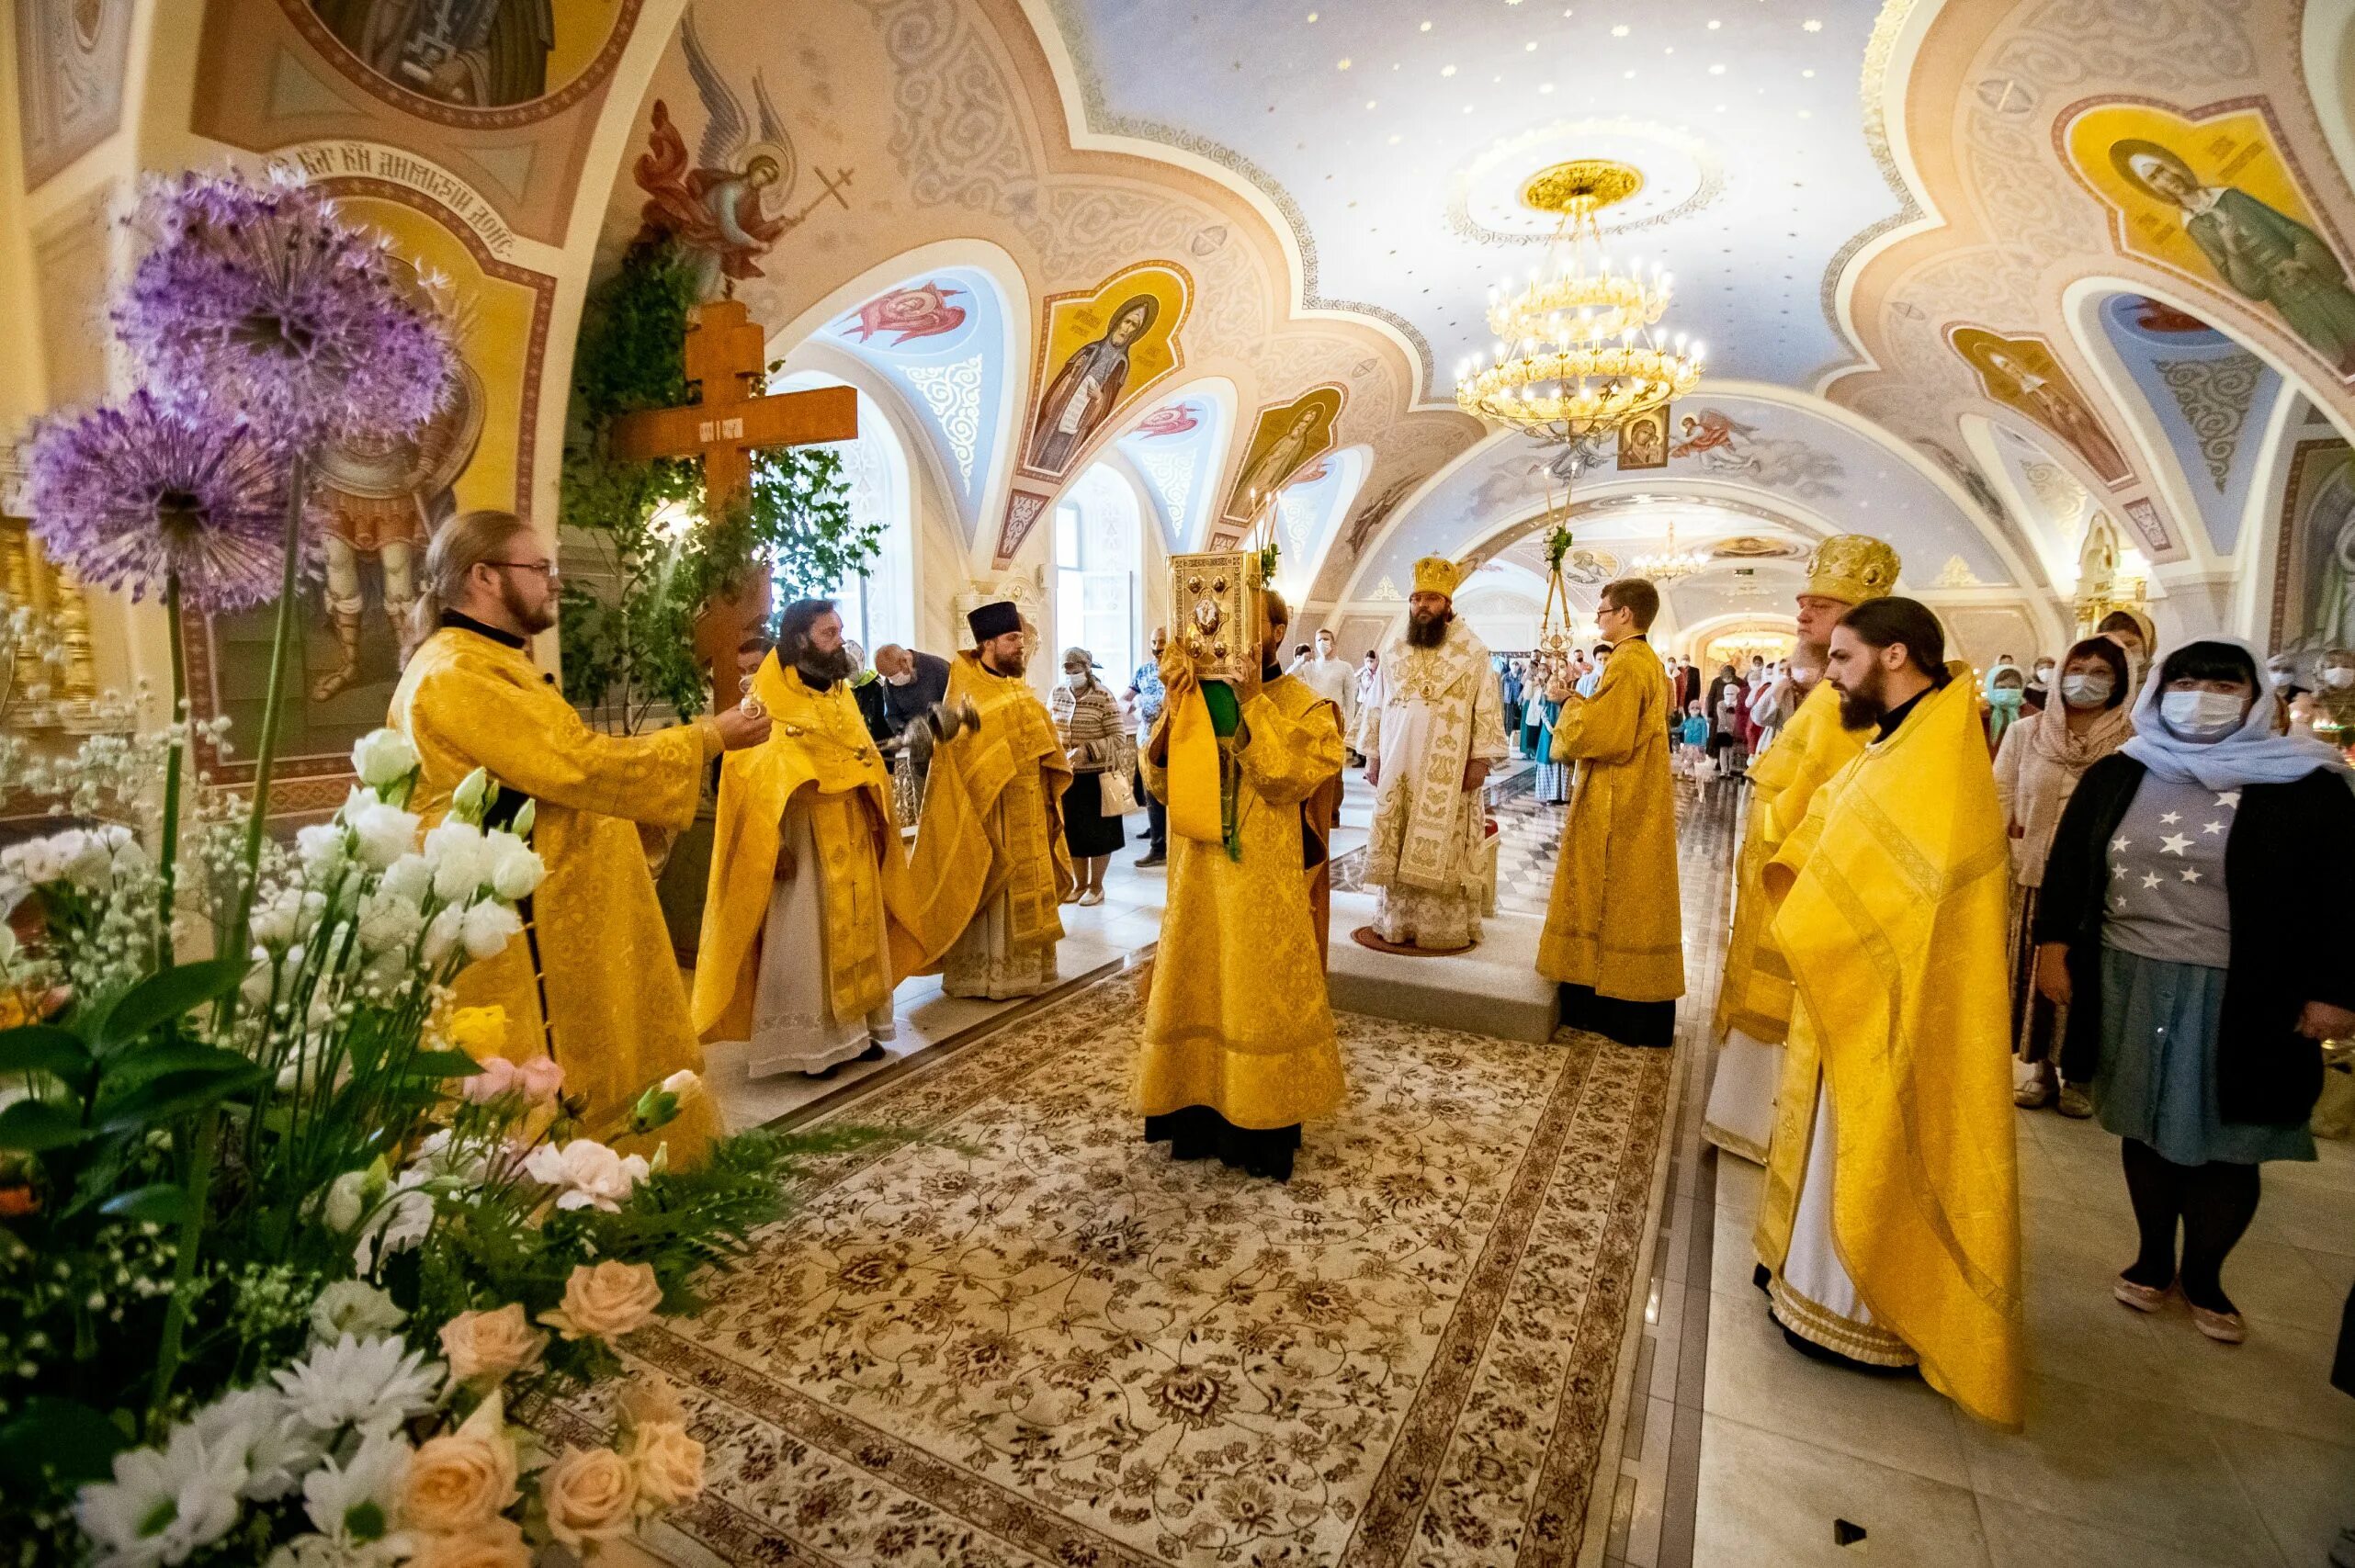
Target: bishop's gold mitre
(1437, 574)
(1852, 568)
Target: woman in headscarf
(2037, 770)
(2006, 692)
(1553, 780)
(2180, 923)
(2133, 631)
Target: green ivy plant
(629, 627)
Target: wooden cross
(725, 352)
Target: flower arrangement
(284, 1235)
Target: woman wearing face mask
(2180, 923)
(2007, 690)
(1087, 723)
(2039, 687)
(2330, 706)
(2036, 770)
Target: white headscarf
(2251, 754)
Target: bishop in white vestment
(1431, 727)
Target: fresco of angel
(723, 205)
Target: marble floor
(2146, 1443)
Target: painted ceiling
(1395, 134)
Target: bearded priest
(1431, 730)
(806, 869)
(1224, 1074)
(473, 698)
(1614, 929)
(1754, 989)
(1890, 1224)
(998, 792)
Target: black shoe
(1831, 1357)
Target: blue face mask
(2006, 696)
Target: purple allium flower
(262, 298)
(125, 495)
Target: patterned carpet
(1040, 1341)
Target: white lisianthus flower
(409, 879)
(383, 756)
(515, 871)
(94, 861)
(461, 859)
(162, 1504)
(322, 847)
(525, 814)
(388, 924)
(487, 927)
(398, 1223)
(353, 1306)
(442, 934)
(471, 793)
(355, 1504)
(586, 1174)
(371, 1386)
(278, 1449)
(384, 832)
(38, 861)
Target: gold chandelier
(1667, 563)
(1576, 350)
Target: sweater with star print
(2286, 861)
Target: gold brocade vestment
(617, 1015)
(1237, 1019)
(1614, 921)
(992, 822)
(1754, 994)
(818, 746)
(1893, 900)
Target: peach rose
(605, 1301)
(462, 1481)
(668, 1463)
(490, 1345)
(590, 1496)
(499, 1544)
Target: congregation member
(1592, 677)
(1330, 676)
(2039, 685)
(1889, 1223)
(576, 984)
(2007, 695)
(1248, 770)
(1753, 1013)
(1368, 669)
(1614, 939)
(999, 790)
(1087, 721)
(1430, 730)
(914, 684)
(1510, 691)
(808, 874)
(2327, 712)
(2132, 631)
(1725, 699)
(2180, 926)
(2036, 770)
(1144, 697)
(1550, 780)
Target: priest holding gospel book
(1239, 1047)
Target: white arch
(882, 605)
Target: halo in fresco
(460, 60)
(1099, 352)
(2022, 374)
(2214, 198)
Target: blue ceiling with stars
(1397, 133)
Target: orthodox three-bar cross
(727, 355)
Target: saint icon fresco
(1086, 389)
(473, 53)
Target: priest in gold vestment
(1614, 928)
(1889, 1223)
(594, 948)
(1431, 730)
(810, 918)
(1239, 1047)
(1754, 988)
(1000, 792)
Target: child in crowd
(1692, 740)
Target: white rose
(410, 878)
(383, 756)
(275, 921)
(346, 1200)
(353, 1307)
(515, 871)
(586, 1173)
(385, 834)
(487, 927)
(443, 935)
